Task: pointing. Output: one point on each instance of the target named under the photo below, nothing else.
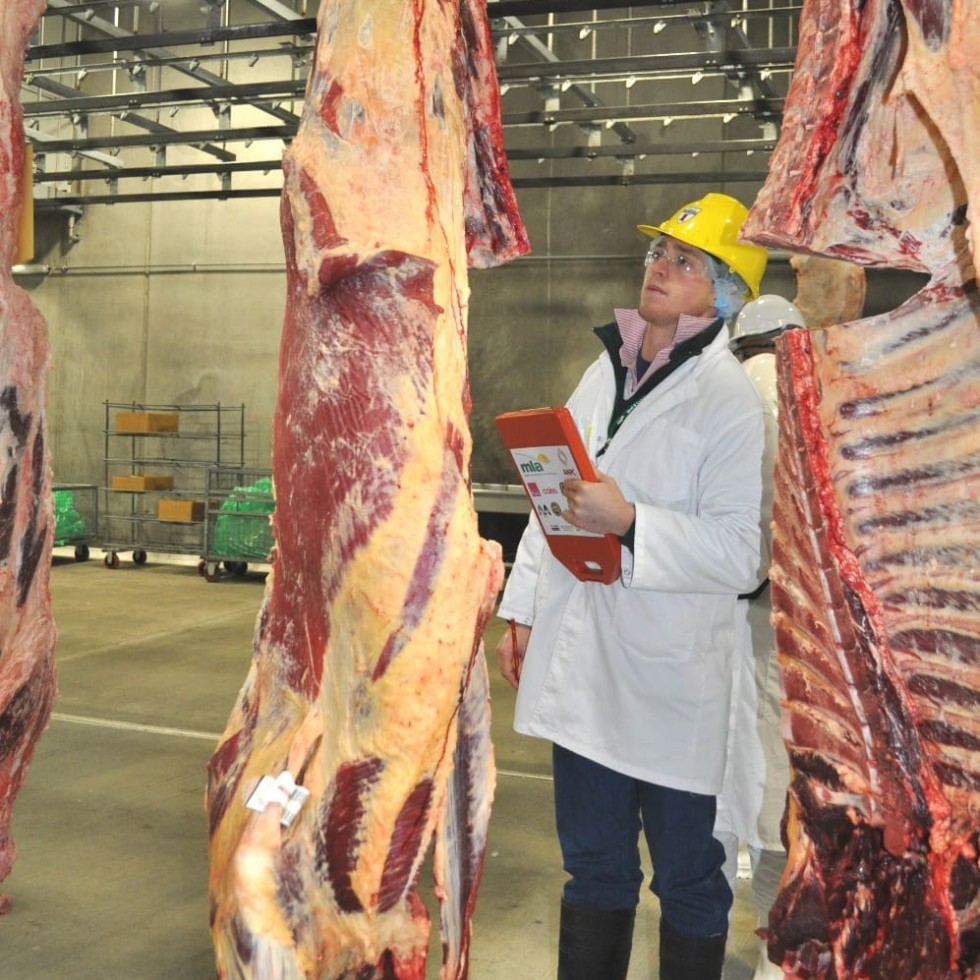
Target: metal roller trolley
(237, 527)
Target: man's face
(677, 281)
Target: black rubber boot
(593, 943)
(690, 957)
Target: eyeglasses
(688, 265)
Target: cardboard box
(139, 483)
(133, 422)
(180, 510)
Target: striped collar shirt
(632, 327)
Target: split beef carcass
(368, 683)
(876, 575)
(27, 634)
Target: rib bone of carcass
(368, 682)
(876, 592)
(27, 634)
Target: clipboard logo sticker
(528, 464)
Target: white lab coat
(637, 675)
(751, 803)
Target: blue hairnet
(730, 289)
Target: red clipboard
(546, 448)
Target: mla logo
(531, 464)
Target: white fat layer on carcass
(397, 718)
(415, 147)
(946, 82)
(405, 718)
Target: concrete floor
(110, 881)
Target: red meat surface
(27, 634)
(368, 681)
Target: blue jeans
(600, 813)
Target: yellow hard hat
(712, 225)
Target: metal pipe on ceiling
(524, 8)
(292, 51)
(288, 88)
(503, 29)
(759, 108)
(159, 130)
(651, 64)
(190, 138)
(520, 183)
(172, 39)
(104, 27)
(120, 172)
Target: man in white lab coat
(631, 681)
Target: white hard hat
(761, 370)
(768, 314)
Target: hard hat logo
(712, 224)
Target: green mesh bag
(68, 523)
(242, 530)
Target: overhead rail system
(140, 100)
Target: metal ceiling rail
(176, 170)
(201, 94)
(635, 23)
(190, 138)
(141, 122)
(84, 200)
(277, 9)
(760, 108)
(582, 93)
(172, 39)
(294, 51)
(77, 12)
(121, 172)
(597, 180)
(636, 150)
(628, 180)
(650, 64)
(524, 8)
(94, 5)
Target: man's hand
(510, 652)
(599, 507)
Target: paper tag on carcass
(268, 791)
(282, 790)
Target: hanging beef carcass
(27, 635)
(876, 576)
(368, 684)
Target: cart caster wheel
(237, 568)
(81, 552)
(111, 560)
(201, 566)
(212, 571)
(139, 556)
